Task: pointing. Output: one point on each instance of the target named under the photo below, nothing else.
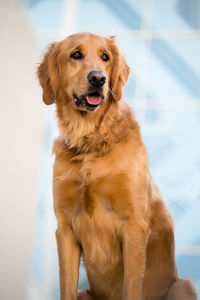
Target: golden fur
(108, 208)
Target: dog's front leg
(134, 238)
(69, 259)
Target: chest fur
(96, 208)
(98, 233)
(96, 196)
(100, 205)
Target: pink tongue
(93, 100)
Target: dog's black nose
(97, 78)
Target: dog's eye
(105, 57)
(76, 55)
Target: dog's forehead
(84, 40)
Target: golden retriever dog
(108, 208)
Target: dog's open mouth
(90, 101)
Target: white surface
(21, 116)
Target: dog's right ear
(47, 73)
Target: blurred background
(161, 41)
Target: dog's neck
(95, 132)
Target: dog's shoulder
(59, 146)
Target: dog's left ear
(120, 72)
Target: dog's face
(87, 63)
(83, 71)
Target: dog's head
(84, 70)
